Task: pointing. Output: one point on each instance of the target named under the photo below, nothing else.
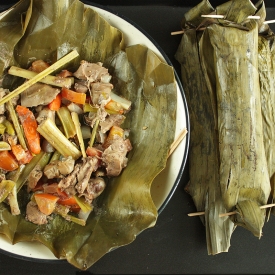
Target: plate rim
(187, 137)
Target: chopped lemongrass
(16, 124)
(9, 127)
(42, 159)
(4, 146)
(49, 79)
(63, 212)
(13, 202)
(92, 139)
(66, 120)
(125, 103)
(85, 206)
(2, 128)
(56, 156)
(77, 125)
(89, 108)
(59, 63)
(56, 138)
(6, 187)
(86, 131)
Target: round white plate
(167, 181)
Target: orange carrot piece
(56, 103)
(72, 96)
(114, 131)
(22, 156)
(29, 124)
(8, 161)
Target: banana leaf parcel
(266, 65)
(125, 208)
(204, 184)
(229, 57)
(219, 69)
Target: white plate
(167, 181)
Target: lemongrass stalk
(62, 211)
(77, 125)
(85, 206)
(61, 62)
(49, 79)
(125, 103)
(56, 156)
(66, 120)
(4, 146)
(42, 159)
(16, 124)
(9, 127)
(6, 187)
(13, 202)
(2, 128)
(92, 139)
(57, 139)
(89, 108)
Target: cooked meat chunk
(34, 215)
(59, 168)
(33, 178)
(92, 72)
(44, 114)
(38, 94)
(81, 86)
(90, 164)
(114, 157)
(11, 140)
(94, 188)
(111, 120)
(71, 179)
(100, 93)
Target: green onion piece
(17, 126)
(6, 187)
(13, 202)
(66, 120)
(92, 140)
(85, 206)
(89, 108)
(63, 212)
(9, 127)
(49, 79)
(77, 125)
(56, 138)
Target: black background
(177, 244)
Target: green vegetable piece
(6, 187)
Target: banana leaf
(125, 208)
(266, 63)
(204, 185)
(229, 58)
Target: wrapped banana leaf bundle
(43, 30)
(227, 59)
(266, 63)
(204, 184)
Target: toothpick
(229, 213)
(269, 22)
(222, 16)
(177, 141)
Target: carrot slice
(72, 96)
(8, 161)
(46, 202)
(29, 124)
(22, 156)
(56, 103)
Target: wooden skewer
(222, 16)
(229, 213)
(177, 141)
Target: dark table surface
(177, 243)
